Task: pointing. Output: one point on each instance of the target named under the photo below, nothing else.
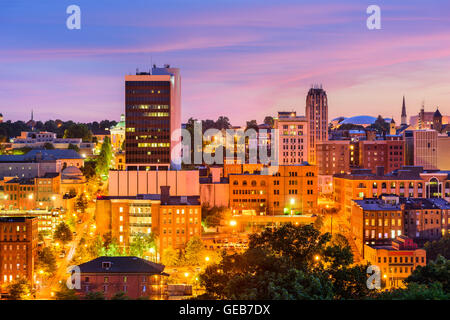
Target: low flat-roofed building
(396, 260)
(133, 276)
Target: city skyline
(252, 56)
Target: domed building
(364, 121)
(117, 133)
(73, 182)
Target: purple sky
(241, 59)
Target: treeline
(63, 129)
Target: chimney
(380, 171)
(165, 194)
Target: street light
(233, 223)
(317, 258)
(206, 259)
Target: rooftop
(42, 154)
(121, 265)
(173, 200)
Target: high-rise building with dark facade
(317, 117)
(152, 114)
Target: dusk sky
(241, 59)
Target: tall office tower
(292, 138)
(317, 117)
(404, 122)
(152, 114)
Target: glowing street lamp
(317, 258)
(206, 259)
(233, 223)
(186, 274)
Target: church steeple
(404, 122)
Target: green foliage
(290, 262)
(81, 203)
(434, 271)
(431, 282)
(49, 146)
(212, 217)
(89, 169)
(104, 158)
(95, 247)
(112, 249)
(73, 147)
(194, 251)
(95, 296)
(141, 243)
(170, 257)
(252, 124)
(439, 247)
(65, 293)
(79, 130)
(46, 261)
(269, 120)
(63, 233)
(380, 126)
(415, 291)
(120, 296)
(20, 289)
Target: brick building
(133, 276)
(292, 189)
(174, 219)
(396, 260)
(18, 248)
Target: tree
(79, 130)
(194, 250)
(252, 124)
(437, 271)
(170, 257)
(380, 125)
(88, 169)
(63, 233)
(112, 249)
(20, 289)
(289, 262)
(49, 146)
(415, 291)
(81, 203)
(212, 217)
(223, 123)
(439, 247)
(64, 293)
(269, 121)
(46, 261)
(141, 243)
(120, 295)
(95, 296)
(73, 147)
(104, 159)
